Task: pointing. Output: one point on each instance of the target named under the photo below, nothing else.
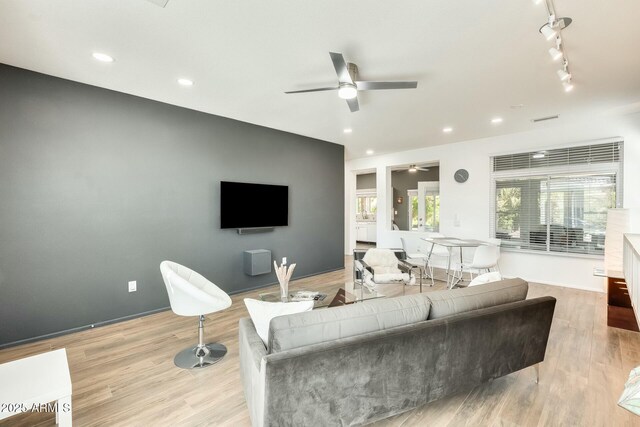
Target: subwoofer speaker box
(257, 261)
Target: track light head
(553, 26)
(568, 86)
(555, 53)
(564, 75)
(548, 31)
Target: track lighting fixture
(555, 53)
(568, 86)
(548, 32)
(552, 29)
(564, 76)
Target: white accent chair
(485, 258)
(190, 294)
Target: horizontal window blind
(610, 152)
(556, 212)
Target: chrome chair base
(200, 357)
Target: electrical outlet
(133, 286)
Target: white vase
(284, 291)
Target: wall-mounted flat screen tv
(244, 205)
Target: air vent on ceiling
(542, 119)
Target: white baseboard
(561, 285)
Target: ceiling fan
(161, 3)
(415, 168)
(349, 85)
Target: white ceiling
(473, 60)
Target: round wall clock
(461, 175)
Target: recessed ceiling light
(348, 130)
(447, 130)
(102, 57)
(185, 82)
(537, 1)
(496, 120)
(370, 152)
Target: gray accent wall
(98, 187)
(366, 181)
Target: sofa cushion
(448, 302)
(262, 312)
(302, 329)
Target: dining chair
(485, 258)
(435, 252)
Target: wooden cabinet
(619, 310)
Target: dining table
(450, 243)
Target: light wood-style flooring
(123, 374)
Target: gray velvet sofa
(356, 364)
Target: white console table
(631, 267)
(32, 383)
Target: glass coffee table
(349, 293)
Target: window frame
(614, 168)
(367, 194)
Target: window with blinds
(556, 200)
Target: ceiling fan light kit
(553, 29)
(347, 91)
(416, 168)
(349, 85)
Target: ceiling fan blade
(353, 104)
(423, 169)
(320, 89)
(161, 3)
(365, 85)
(341, 67)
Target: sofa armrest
(252, 352)
(252, 342)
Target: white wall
(465, 208)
